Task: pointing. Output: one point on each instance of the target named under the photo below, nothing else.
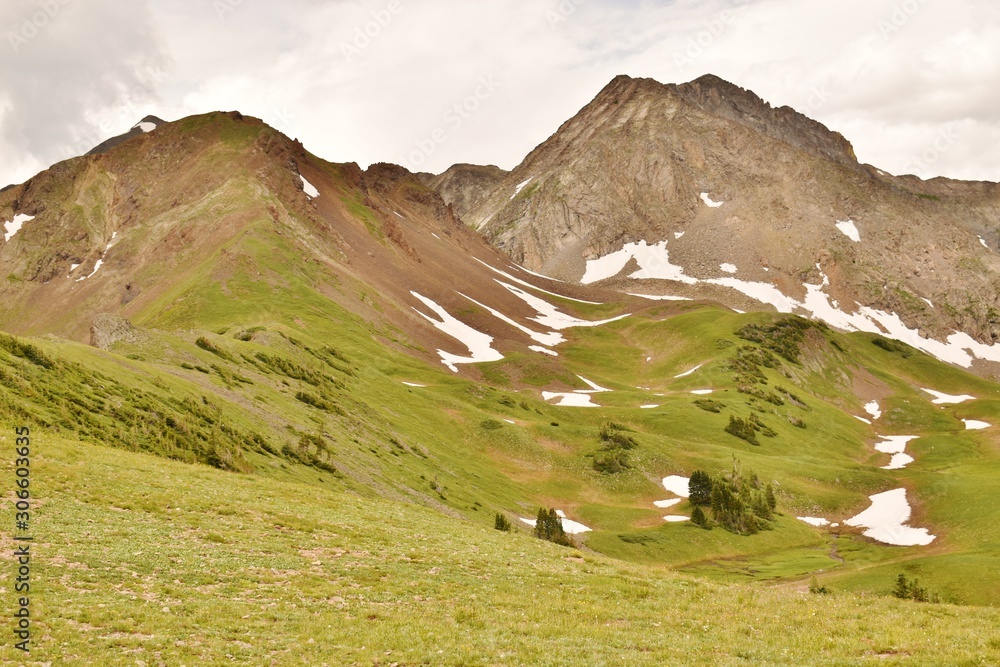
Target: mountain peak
(719, 97)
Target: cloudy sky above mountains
(426, 83)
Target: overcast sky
(913, 84)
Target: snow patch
(946, 399)
(873, 409)
(97, 267)
(571, 527)
(702, 392)
(510, 421)
(653, 260)
(728, 268)
(649, 407)
(974, 425)
(520, 186)
(308, 187)
(983, 241)
(664, 504)
(886, 521)
(677, 485)
(550, 316)
(14, 226)
(678, 235)
(549, 338)
(479, 344)
(594, 388)
(687, 373)
(895, 445)
(927, 301)
(145, 126)
(708, 201)
(675, 518)
(570, 400)
(535, 287)
(862, 419)
(413, 384)
(819, 522)
(849, 229)
(396, 213)
(543, 350)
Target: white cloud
(302, 67)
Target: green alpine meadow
(260, 408)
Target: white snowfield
(552, 317)
(895, 445)
(728, 268)
(974, 425)
(687, 373)
(594, 388)
(571, 527)
(479, 344)
(14, 226)
(819, 522)
(97, 266)
(654, 263)
(947, 399)
(677, 485)
(520, 186)
(849, 229)
(702, 392)
(523, 283)
(309, 188)
(886, 521)
(145, 126)
(676, 518)
(708, 201)
(872, 408)
(571, 399)
(543, 350)
(664, 504)
(550, 338)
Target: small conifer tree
(501, 523)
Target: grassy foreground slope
(142, 560)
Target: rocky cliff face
(731, 191)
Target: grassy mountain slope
(140, 558)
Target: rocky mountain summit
(749, 205)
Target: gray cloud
(371, 80)
(70, 73)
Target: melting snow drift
(849, 229)
(946, 399)
(895, 445)
(571, 527)
(308, 187)
(677, 485)
(814, 521)
(886, 521)
(479, 344)
(708, 201)
(14, 226)
(973, 425)
(873, 409)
